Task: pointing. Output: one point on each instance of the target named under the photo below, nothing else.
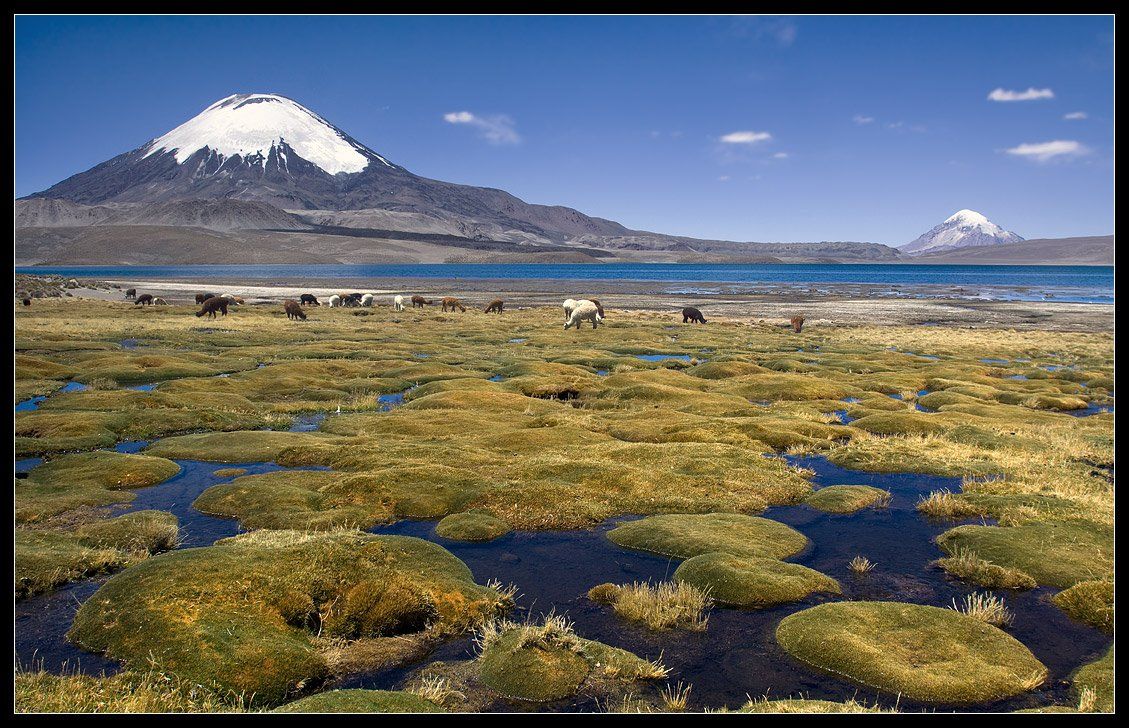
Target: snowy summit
(963, 229)
(251, 125)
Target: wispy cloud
(1047, 151)
(1031, 94)
(860, 119)
(1076, 116)
(497, 129)
(780, 155)
(777, 29)
(745, 137)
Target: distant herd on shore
(575, 310)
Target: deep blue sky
(879, 127)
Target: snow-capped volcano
(252, 126)
(264, 147)
(964, 229)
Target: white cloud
(1046, 151)
(780, 155)
(1076, 115)
(746, 137)
(860, 119)
(723, 178)
(497, 129)
(1031, 94)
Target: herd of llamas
(576, 311)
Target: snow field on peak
(254, 125)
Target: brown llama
(201, 297)
(294, 310)
(213, 304)
(797, 324)
(131, 293)
(420, 302)
(27, 301)
(145, 299)
(495, 306)
(599, 308)
(692, 315)
(453, 303)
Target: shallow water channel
(734, 659)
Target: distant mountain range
(260, 178)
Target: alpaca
(213, 304)
(294, 310)
(231, 299)
(334, 301)
(585, 311)
(568, 305)
(160, 302)
(599, 307)
(398, 302)
(310, 299)
(495, 306)
(131, 293)
(692, 315)
(145, 299)
(350, 300)
(420, 301)
(27, 301)
(366, 300)
(453, 303)
(201, 297)
(797, 324)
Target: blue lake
(1090, 284)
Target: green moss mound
(686, 535)
(1054, 553)
(245, 446)
(846, 498)
(229, 472)
(361, 701)
(1098, 676)
(317, 499)
(923, 653)
(902, 423)
(747, 581)
(537, 671)
(472, 526)
(242, 616)
(294, 499)
(45, 560)
(970, 567)
(1089, 602)
(86, 479)
(799, 705)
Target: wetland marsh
(380, 510)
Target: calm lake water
(1086, 284)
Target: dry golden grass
(988, 608)
(666, 605)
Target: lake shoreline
(830, 304)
